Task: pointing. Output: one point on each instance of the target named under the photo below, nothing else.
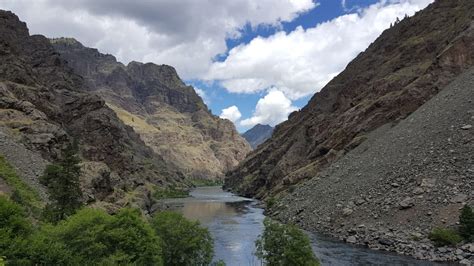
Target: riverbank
(235, 222)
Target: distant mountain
(169, 116)
(258, 134)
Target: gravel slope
(400, 183)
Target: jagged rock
(169, 116)
(46, 105)
(351, 239)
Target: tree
(184, 242)
(282, 244)
(62, 181)
(466, 223)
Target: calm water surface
(235, 223)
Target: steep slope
(169, 116)
(258, 135)
(43, 106)
(402, 69)
(401, 183)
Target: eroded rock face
(168, 115)
(44, 105)
(402, 69)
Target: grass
(168, 193)
(22, 193)
(445, 237)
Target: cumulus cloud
(187, 34)
(271, 109)
(232, 113)
(301, 62)
(203, 95)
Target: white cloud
(301, 62)
(203, 95)
(186, 34)
(271, 109)
(232, 113)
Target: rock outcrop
(406, 66)
(44, 105)
(168, 115)
(406, 179)
(258, 135)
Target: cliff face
(407, 65)
(168, 115)
(44, 105)
(258, 135)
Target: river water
(235, 223)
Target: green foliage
(271, 201)
(444, 237)
(206, 182)
(466, 223)
(282, 244)
(92, 237)
(168, 193)
(184, 242)
(62, 181)
(22, 193)
(14, 228)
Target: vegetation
(282, 244)
(22, 193)
(445, 237)
(62, 181)
(93, 237)
(206, 182)
(184, 241)
(271, 201)
(466, 223)
(167, 193)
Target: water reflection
(236, 222)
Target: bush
(168, 193)
(92, 237)
(184, 242)
(14, 229)
(466, 223)
(282, 244)
(444, 237)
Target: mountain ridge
(258, 134)
(168, 115)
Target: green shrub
(206, 182)
(282, 244)
(92, 237)
(466, 223)
(445, 237)
(184, 242)
(168, 193)
(14, 229)
(271, 201)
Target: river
(235, 223)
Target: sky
(252, 61)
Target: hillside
(44, 106)
(403, 181)
(407, 65)
(168, 115)
(258, 135)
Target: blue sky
(252, 61)
(218, 98)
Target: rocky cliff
(168, 115)
(406, 66)
(44, 105)
(258, 135)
